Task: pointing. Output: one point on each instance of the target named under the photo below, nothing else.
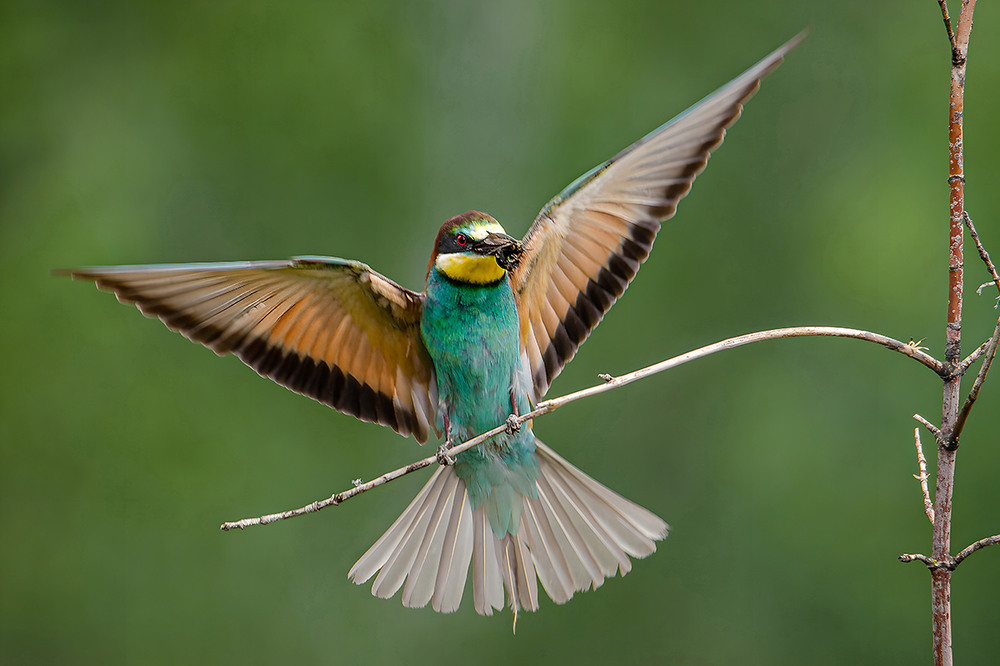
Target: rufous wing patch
(328, 328)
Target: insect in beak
(505, 249)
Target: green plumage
(471, 332)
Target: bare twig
(337, 498)
(610, 383)
(947, 23)
(931, 563)
(991, 350)
(983, 254)
(974, 356)
(933, 429)
(950, 563)
(979, 290)
(922, 477)
(982, 543)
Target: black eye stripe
(455, 242)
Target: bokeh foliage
(180, 131)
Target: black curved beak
(505, 249)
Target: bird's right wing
(331, 329)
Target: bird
(496, 323)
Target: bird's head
(474, 249)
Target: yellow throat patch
(468, 268)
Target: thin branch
(963, 367)
(982, 543)
(983, 254)
(947, 23)
(950, 563)
(610, 383)
(337, 498)
(990, 347)
(933, 429)
(984, 369)
(979, 290)
(922, 477)
(931, 563)
(910, 350)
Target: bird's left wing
(331, 329)
(586, 245)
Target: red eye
(462, 240)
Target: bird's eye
(462, 240)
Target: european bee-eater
(496, 323)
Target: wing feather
(331, 329)
(597, 232)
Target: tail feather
(550, 563)
(457, 554)
(582, 567)
(602, 544)
(518, 571)
(581, 540)
(638, 527)
(487, 581)
(395, 552)
(573, 534)
(422, 579)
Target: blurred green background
(186, 131)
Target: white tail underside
(573, 535)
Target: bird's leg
(513, 425)
(442, 453)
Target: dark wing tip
(216, 319)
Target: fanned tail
(429, 547)
(573, 534)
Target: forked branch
(951, 563)
(989, 347)
(951, 401)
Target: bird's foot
(513, 425)
(442, 455)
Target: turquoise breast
(471, 332)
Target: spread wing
(331, 329)
(586, 245)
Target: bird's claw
(442, 456)
(513, 425)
